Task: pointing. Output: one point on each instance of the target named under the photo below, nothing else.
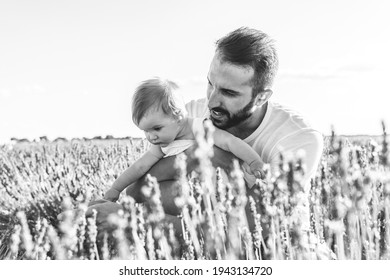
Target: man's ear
(263, 97)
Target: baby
(159, 111)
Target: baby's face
(160, 129)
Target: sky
(68, 68)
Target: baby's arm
(240, 149)
(134, 172)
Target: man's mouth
(216, 114)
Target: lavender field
(45, 188)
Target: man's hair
(154, 94)
(249, 47)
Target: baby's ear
(181, 116)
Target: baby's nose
(152, 136)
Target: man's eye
(228, 93)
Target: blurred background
(68, 68)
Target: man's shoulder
(290, 117)
(197, 108)
(284, 121)
(283, 126)
(290, 129)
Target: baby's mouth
(155, 142)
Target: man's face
(229, 93)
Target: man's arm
(308, 145)
(166, 176)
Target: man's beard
(235, 119)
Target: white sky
(68, 68)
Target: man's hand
(256, 167)
(112, 195)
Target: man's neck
(247, 127)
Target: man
(239, 88)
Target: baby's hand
(256, 167)
(112, 195)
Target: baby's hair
(154, 94)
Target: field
(45, 188)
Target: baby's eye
(157, 128)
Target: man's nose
(213, 99)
